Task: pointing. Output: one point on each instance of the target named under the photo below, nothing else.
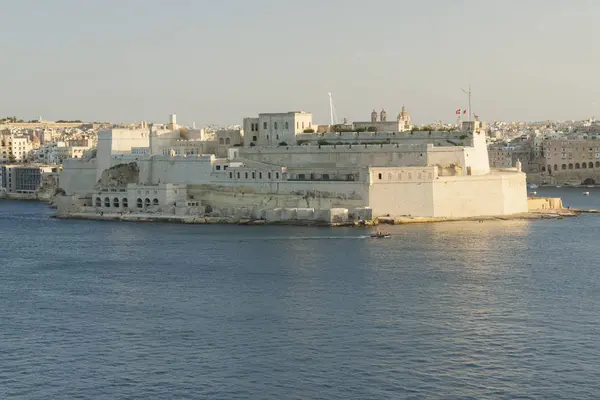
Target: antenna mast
(332, 116)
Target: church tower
(374, 116)
(383, 117)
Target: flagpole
(469, 94)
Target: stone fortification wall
(493, 194)
(259, 197)
(544, 203)
(409, 137)
(411, 192)
(350, 155)
(573, 177)
(162, 169)
(78, 176)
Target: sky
(215, 62)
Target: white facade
(14, 148)
(425, 174)
(271, 129)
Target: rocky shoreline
(207, 220)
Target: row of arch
(563, 167)
(116, 202)
(226, 141)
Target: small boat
(381, 235)
(533, 186)
(586, 193)
(558, 186)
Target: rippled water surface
(109, 310)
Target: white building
(423, 174)
(271, 129)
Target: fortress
(278, 169)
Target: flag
(458, 112)
(464, 111)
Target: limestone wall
(494, 194)
(263, 196)
(78, 176)
(544, 203)
(361, 155)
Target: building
(271, 129)
(401, 124)
(22, 178)
(14, 148)
(421, 174)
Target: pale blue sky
(218, 61)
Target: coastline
(156, 218)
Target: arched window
(140, 203)
(555, 167)
(543, 169)
(563, 167)
(549, 168)
(221, 141)
(583, 165)
(146, 202)
(106, 202)
(570, 166)
(591, 165)
(98, 202)
(154, 202)
(576, 165)
(116, 202)
(125, 202)
(227, 141)
(597, 164)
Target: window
(246, 175)
(254, 138)
(231, 175)
(297, 124)
(218, 167)
(380, 176)
(325, 177)
(238, 175)
(116, 202)
(287, 125)
(277, 137)
(155, 202)
(221, 141)
(275, 125)
(227, 141)
(146, 202)
(139, 203)
(98, 202)
(301, 177)
(260, 175)
(276, 175)
(106, 202)
(264, 125)
(125, 202)
(269, 175)
(253, 175)
(302, 124)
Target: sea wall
(544, 203)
